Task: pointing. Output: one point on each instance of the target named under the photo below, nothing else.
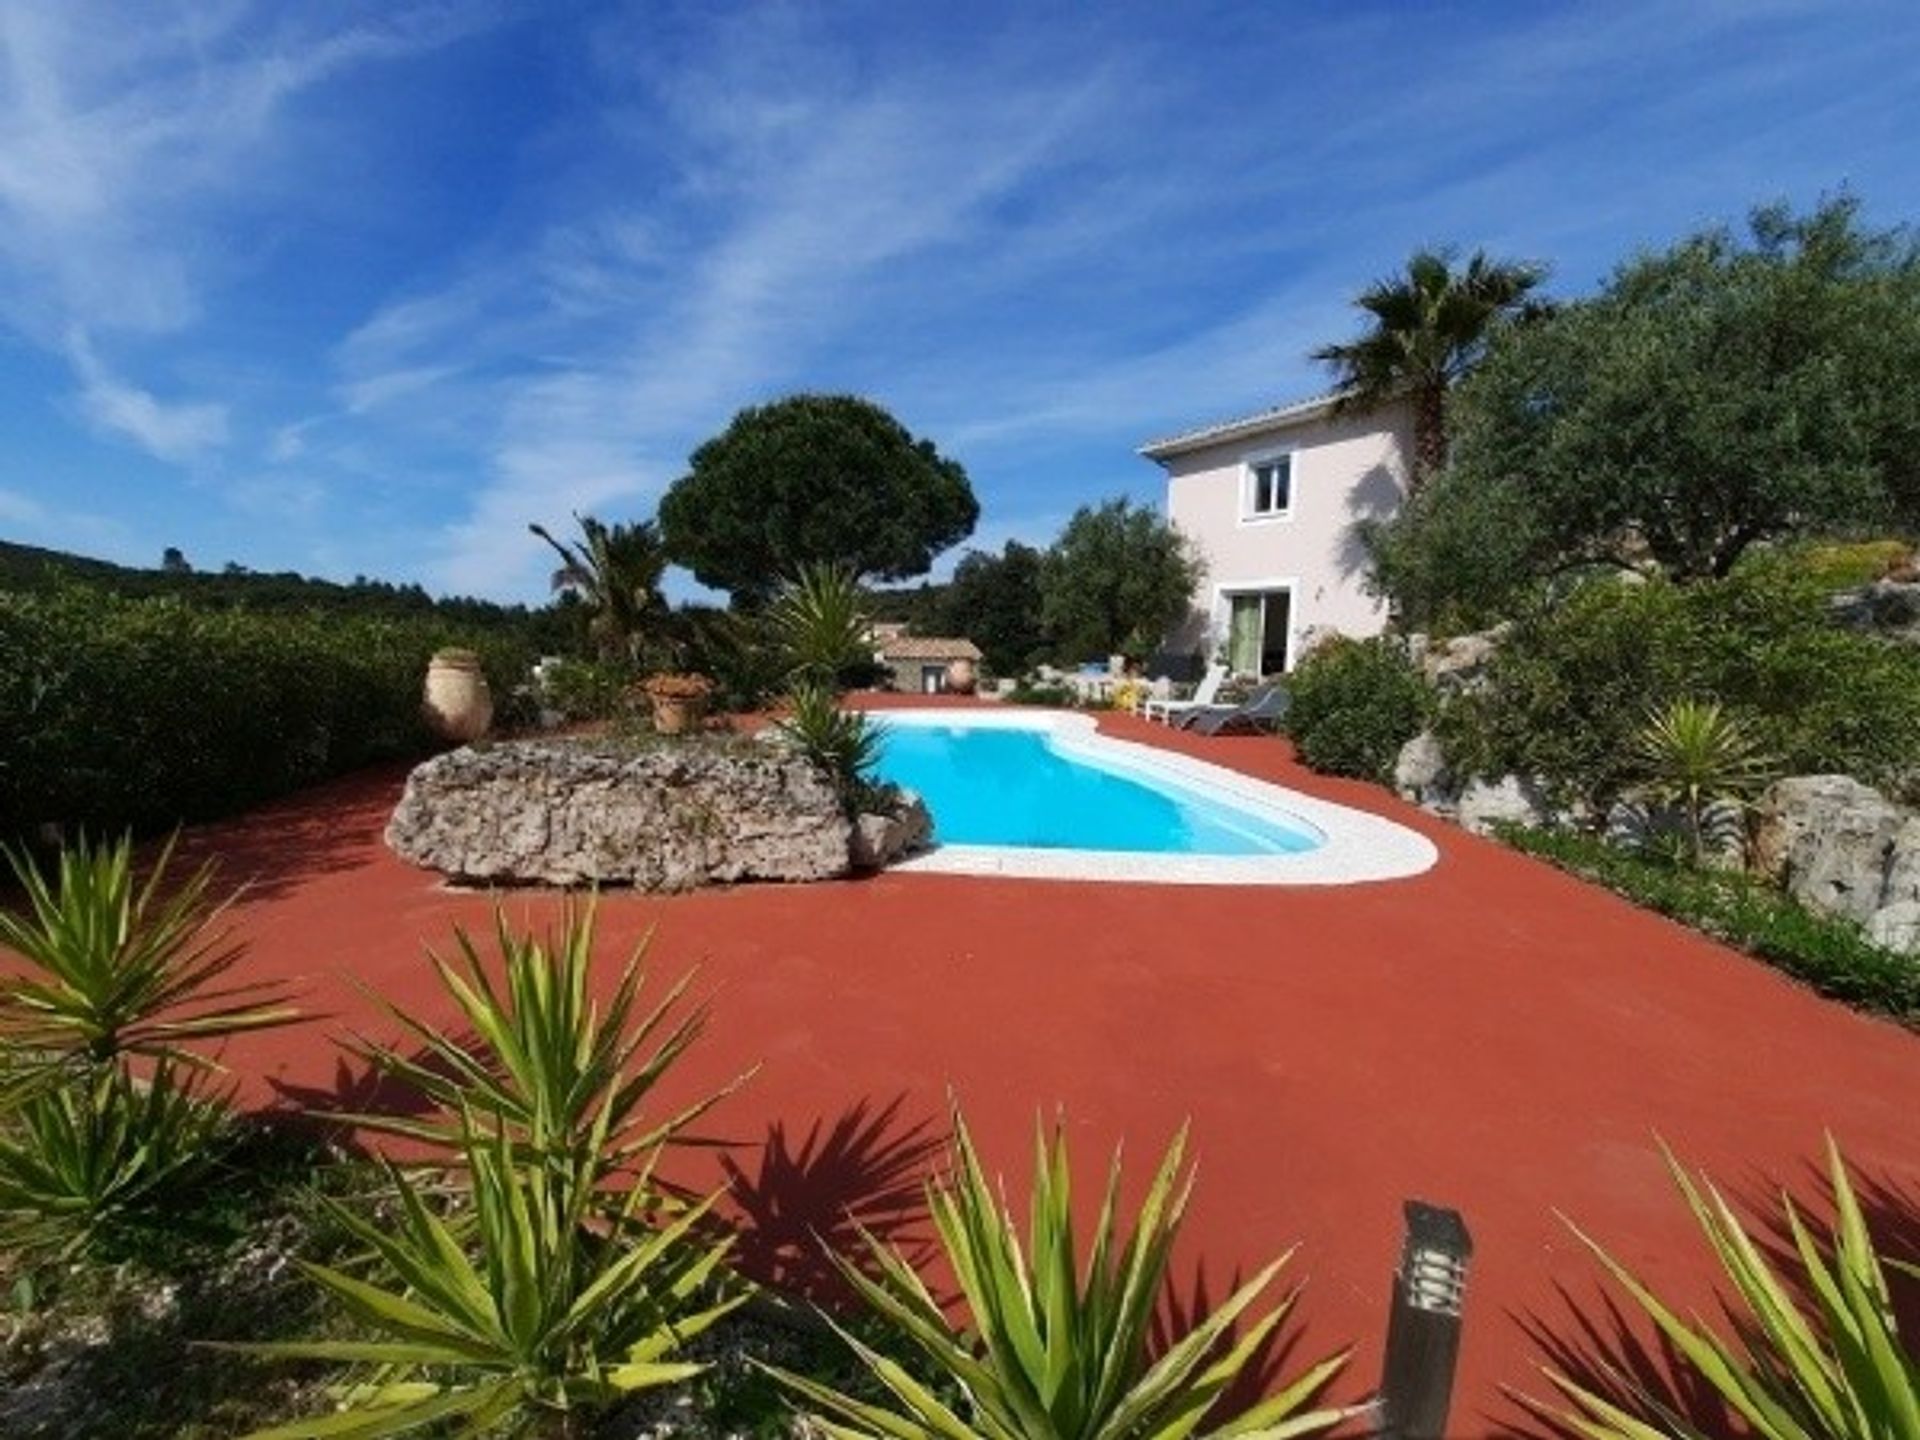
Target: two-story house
(1271, 501)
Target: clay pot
(457, 704)
(677, 714)
(961, 677)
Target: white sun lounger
(1203, 695)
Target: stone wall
(665, 817)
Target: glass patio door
(1257, 625)
(1243, 633)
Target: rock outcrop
(1460, 664)
(1843, 848)
(1510, 800)
(878, 840)
(1886, 607)
(1421, 774)
(669, 817)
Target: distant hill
(30, 568)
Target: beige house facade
(1272, 502)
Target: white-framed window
(1269, 488)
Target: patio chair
(1209, 686)
(1262, 711)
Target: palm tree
(616, 570)
(1430, 326)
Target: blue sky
(364, 290)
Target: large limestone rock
(1888, 607)
(881, 839)
(1421, 774)
(1830, 841)
(1903, 865)
(1460, 664)
(1510, 800)
(664, 818)
(1896, 927)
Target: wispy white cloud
(803, 192)
(175, 432)
(1037, 240)
(130, 146)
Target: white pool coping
(1356, 847)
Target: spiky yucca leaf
(819, 619)
(538, 1306)
(115, 966)
(1052, 1350)
(1831, 1367)
(99, 1146)
(840, 743)
(544, 1058)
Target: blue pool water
(991, 786)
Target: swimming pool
(1006, 785)
(1043, 794)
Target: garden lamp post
(1423, 1327)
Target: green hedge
(1572, 684)
(1353, 704)
(120, 713)
(1832, 956)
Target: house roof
(928, 647)
(1294, 412)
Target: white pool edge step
(1357, 847)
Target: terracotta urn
(675, 715)
(961, 677)
(679, 702)
(457, 704)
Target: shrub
(587, 689)
(1354, 704)
(1814, 1352)
(1056, 1344)
(1040, 692)
(142, 714)
(1831, 955)
(1571, 685)
(1837, 564)
(745, 662)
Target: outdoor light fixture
(1423, 1327)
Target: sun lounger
(1263, 711)
(1165, 711)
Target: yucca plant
(561, 1075)
(1696, 755)
(115, 966)
(820, 623)
(840, 743)
(80, 1156)
(1829, 1366)
(540, 1311)
(1055, 1345)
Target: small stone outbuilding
(919, 662)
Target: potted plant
(679, 701)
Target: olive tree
(1117, 580)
